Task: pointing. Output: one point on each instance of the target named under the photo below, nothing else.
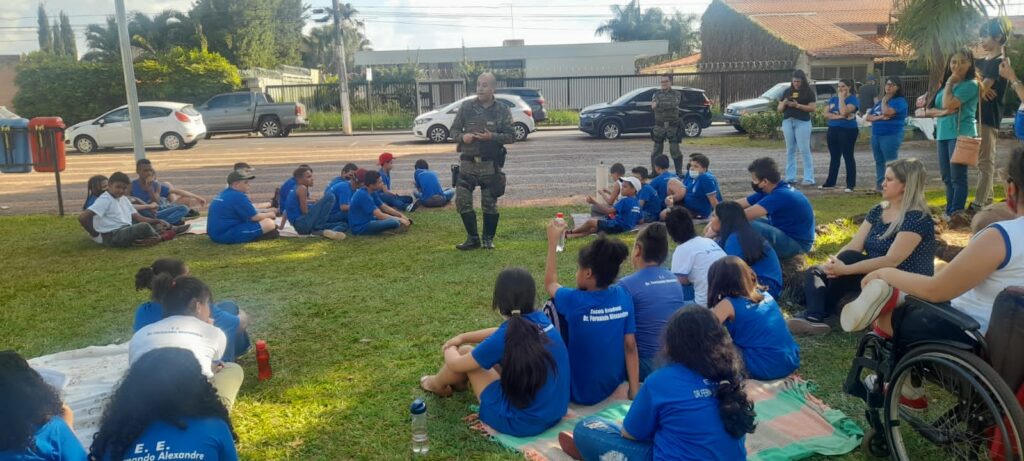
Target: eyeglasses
(666, 81)
(890, 84)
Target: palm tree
(630, 23)
(102, 41)
(318, 47)
(163, 31)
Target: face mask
(756, 188)
(693, 174)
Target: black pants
(823, 293)
(840, 147)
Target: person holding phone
(796, 106)
(993, 88)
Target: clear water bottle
(420, 442)
(560, 220)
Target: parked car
(247, 112)
(532, 97)
(173, 125)
(436, 125)
(632, 113)
(824, 90)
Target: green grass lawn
(351, 325)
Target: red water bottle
(263, 361)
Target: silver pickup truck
(246, 112)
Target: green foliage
(767, 124)
(249, 32)
(631, 23)
(934, 29)
(331, 121)
(44, 32)
(68, 36)
(318, 47)
(561, 118)
(185, 76)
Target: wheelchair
(971, 413)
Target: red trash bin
(46, 140)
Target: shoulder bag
(967, 148)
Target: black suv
(632, 113)
(532, 97)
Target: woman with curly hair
(694, 408)
(36, 426)
(165, 408)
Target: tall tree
(45, 34)
(629, 23)
(58, 39)
(162, 32)
(248, 32)
(291, 16)
(68, 36)
(102, 41)
(318, 47)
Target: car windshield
(776, 91)
(628, 96)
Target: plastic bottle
(420, 441)
(263, 361)
(560, 219)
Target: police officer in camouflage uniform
(666, 123)
(481, 127)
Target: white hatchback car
(173, 125)
(436, 125)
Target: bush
(561, 118)
(331, 121)
(768, 124)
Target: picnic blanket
(791, 424)
(199, 228)
(85, 378)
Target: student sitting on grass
(347, 173)
(655, 291)
(738, 238)
(692, 409)
(597, 315)
(609, 195)
(391, 199)
(519, 371)
(620, 218)
(341, 188)
(165, 409)
(285, 189)
(233, 218)
(700, 188)
(669, 187)
(650, 207)
(753, 319)
(112, 220)
(367, 214)
(428, 187)
(150, 191)
(226, 315)
(34, 424)
(187, 324)
(693, 255)
(96, 186)
(307, 216)
(781, 214)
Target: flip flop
(423, 385)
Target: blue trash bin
(15, 156)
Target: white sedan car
(436, 125)
(173, 125)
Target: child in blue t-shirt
(623, 217)
(650, 207)
(96, 186)
(226, 315)
(738, 238)
(34, 423)
(165, 408)
(596, 314)
(429, 192)
(530, 393)
(701, 187)
(694, 408)
(753, 319)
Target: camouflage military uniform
(666, 126)
(477, 166)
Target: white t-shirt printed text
(111, 213)
(206, 342)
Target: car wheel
(691, 127)
(437, 134)
(85, 144)
(171, 141)
(189, 145)
(208, 136)
(739, 128)
(285, 132)
(270, 127)
(611, 130)
(522, 131)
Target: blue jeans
(783, 244)
(398, 202)
(596, 437)
(378, 226)
(954, 176)
(173, 214)
(435, 201)
(886, 148)
(316, 216)
(798, 135)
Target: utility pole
(129, 80)
(339, 42)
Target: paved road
(550, 167)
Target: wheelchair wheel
(874, 444)
(968, 407)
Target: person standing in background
(796, 107)
(868, 94)
(665, 105)
(993, 88)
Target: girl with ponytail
(694, 408)
(531, 393)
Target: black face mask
(756, 188)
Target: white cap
(633, 182)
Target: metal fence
(390, 98)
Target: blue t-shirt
(229, 209)
(386, 177)
(151, 312)
(286, 189)
(656, 294)
(141, 193)
(833, 107)
(760, 333)
(697, 191)
(660, 185)
(54, 441)
(427, 183)
(292, 207)
(334, 181)
(895, 124)
(89, 200)
(551, 401)
(597, 324)
(342, 192)
(789, 211)
(677, 411)
(627, 213)
(361, 208)
(208, 439)
(651, 206)
(768, 268)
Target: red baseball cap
(385, 158)
(360, 175)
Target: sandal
(423, 385)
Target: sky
(389, 24)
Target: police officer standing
(481, 128)
(666, 123)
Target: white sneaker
(334, 235)
(860, 312)
(847, 190)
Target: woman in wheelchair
(898, 232)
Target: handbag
(967, 148)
